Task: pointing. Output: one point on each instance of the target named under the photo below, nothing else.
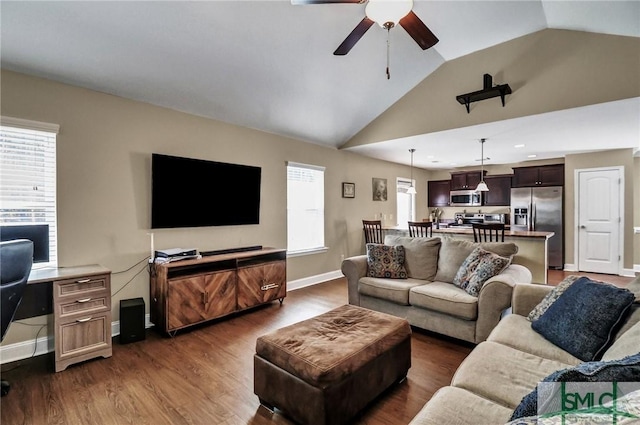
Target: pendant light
(411, 190)
(482, 186)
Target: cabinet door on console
(197, 298)
(261, 283)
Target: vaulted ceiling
(269, 65)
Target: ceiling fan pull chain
(388, 45)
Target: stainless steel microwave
(465, 198)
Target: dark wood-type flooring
(205, 376)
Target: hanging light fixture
(482, 186)
(411, 190)
(387, 13)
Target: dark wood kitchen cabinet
(465, 180)
(438, 193)
(542, 175)
(499, 193)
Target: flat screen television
(187, 192)
(37, 233)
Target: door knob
(583, 227)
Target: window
(406, 210)
(305, 208)
(28, 177)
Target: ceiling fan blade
(353, 38)
(301, 2)
(418, 31)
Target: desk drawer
(85, 305)
(83, 335)
(81, 286)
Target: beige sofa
(428, 299)
(493, 379)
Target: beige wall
(636, 210)
(549, 70)
(104, 151)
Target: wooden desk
(80, 300)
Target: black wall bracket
(489, 91)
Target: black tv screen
(189, 192)
(37, 233)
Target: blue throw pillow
(623, 370)
(582, 319)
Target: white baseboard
(313, 280)
(625, 272)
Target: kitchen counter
(532, 246)
(507, 233)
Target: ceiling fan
(387, 13)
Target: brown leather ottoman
(326, 369)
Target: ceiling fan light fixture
(387, 13)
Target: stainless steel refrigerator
(540, 209)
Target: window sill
(303, 252)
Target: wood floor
(205, 376)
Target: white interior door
(599, 220)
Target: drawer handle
(269, 286)
(83, 281)
(84, 320)
(84, 300)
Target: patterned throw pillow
(551, 297)
(386, 261)
(463, 276)
(490, 264)
(477, 268)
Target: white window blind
(305, 208)
(28, 177)
(405, 208)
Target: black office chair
(420, 229)
(488, 232)
(16, 258)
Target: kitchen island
(532, 246)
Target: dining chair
(372, 231)
(421, 229)
(488, 232)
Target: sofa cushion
(420, 255)
(445, 298)
(622, 370)
(583, 319)
(515, 331)
(451, 405)
(627, 344)
(454, 251)
(502, 374)
(551, 297)
(385, 261)
(394, 290)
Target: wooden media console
(188, 292)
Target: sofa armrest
(354, 268)
(495, 297)
(527, 296)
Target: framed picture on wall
(379, 189)
(348, 190)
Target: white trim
(25, 349)
(576, 200)
(311, 251)
(631, 272)
(309, 166)
(570, 268)
(313, 280)
(29, 125)
(636, 268)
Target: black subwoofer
(132, 320)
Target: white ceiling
(269, 65)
